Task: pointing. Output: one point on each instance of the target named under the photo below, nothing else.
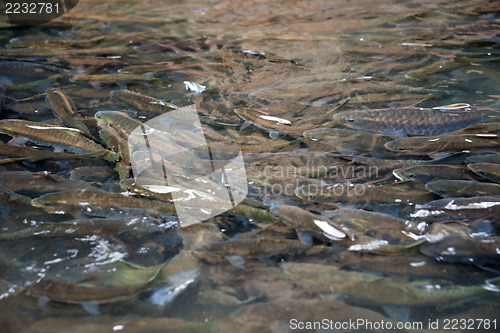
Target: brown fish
(141, 102)
(404, 122)
(272, 124)
(67, 138)
(447, 188)
(445, 143)
(64, 108)
(489, 171)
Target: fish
(120, 121)
(490, 127)
(463, 209)
(376, 232)
(438, 67)
(486, 158)
(271, 124)
(111, 78)
(91, 200)
(403, 122)
(115, 142)
(308, 225)
(27, 69)
(258, 214)
(346, 140)
(52, 51)
(396, 193)
(489, 171)
(264, 249)
(110, 283)
(34, 154)
(445, 143)
(93, 174)
(144, 104)
(370, 289)
(462, 188)
(428, 173)
(139, 225)
(46, 41)
(464, 250)
(65, 109)
(68, 138)
(307, 314)
(34, 184)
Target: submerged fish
(483, 207)
(27, 69)
(92, 200)
(396, 193)
(52, 51)
(67, 138)
(109, 283)
(141, 102)
(264, 249)
(489, 171)
(138, 225)
(347, 140)
(428, 173)
(38, 183)
(414, 121)
(376, 232)
(64, 108)
(376, 290)
(465, 250)
(309, 225)
(269, 123)
(33, 154)
(120, 121)
(488, 158)
(112, 78)
(462, 188)
(445, 143)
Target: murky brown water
(347, 220)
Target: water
(135, 271)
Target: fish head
(358, 120)
(48, 204)
(115, 94)
(394, 145)
(405, 174)
(438, 187)
(307, 192)
(241, 113)
(105, 116)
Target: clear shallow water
(296, 61)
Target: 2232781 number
(31, 8)
(470, 324)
